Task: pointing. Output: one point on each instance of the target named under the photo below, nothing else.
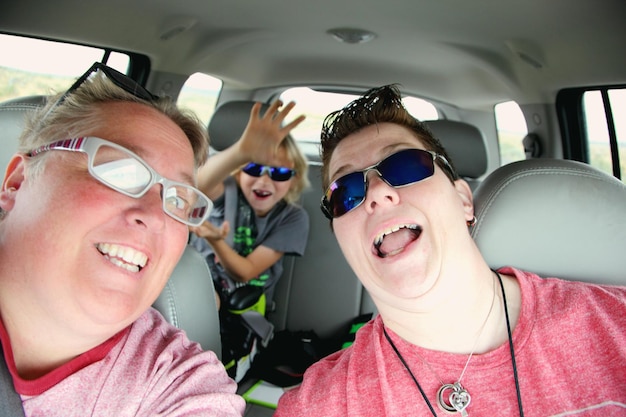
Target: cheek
(282, 187)
(245, 181)
(351, 242)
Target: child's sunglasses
(403, 168)
(275, 173)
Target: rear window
(316, 105)
(199, 94)
(31, 66)
(511, 127)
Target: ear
(13, 180)
(465, 192)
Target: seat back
(229, 121)
(12, 114)
(553, 217)
(465, 145)
(188, 300)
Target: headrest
(465, 145)
(554, 217)
(229, 121)
(12, 114)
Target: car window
(31, 66)
(316, 105)
(511, 128)
(199, 94)
(605, 130)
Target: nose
(147, 211)
(379, 193)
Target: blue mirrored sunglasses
(403, 168)
(275, 173)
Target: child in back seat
(254, 184)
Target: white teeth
(379, 239)
(123, 256)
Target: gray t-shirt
(285, 229)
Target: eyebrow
(186, 178)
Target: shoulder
(571, 306)
(293, 211)
(173, 366)
(561, 289)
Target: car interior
(549, 191)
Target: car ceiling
(471, 53)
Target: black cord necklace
(461, 390)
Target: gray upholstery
(188, 300)
(553, 217)
(318, 291)
(229, 121)
(465, 145)
(12, 123)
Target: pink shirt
(150, 369)
(570, 349)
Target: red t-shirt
(150, 369)
(570, 349)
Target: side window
(604, 127)
(199, 94)
(511, 128)
(31, 66)
(316, 105)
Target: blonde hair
(301, 180)
(80, 112)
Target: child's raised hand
(264, 133)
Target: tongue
(395, 242)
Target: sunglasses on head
(275, 173)
(403, 168)
(122, 81)
(125, 172)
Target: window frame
(571, 117)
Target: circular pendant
(453, 398)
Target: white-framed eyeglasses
(125, 172)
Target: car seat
(188, 300)
(554, 217)
(465, 145)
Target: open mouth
(393, 241)
(123, 256)
(261, 193)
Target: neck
(470, 321)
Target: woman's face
(89, 258)
(398, 239)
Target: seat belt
(230, 210)
(10, 400)
(256, 321)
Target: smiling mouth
(261, 193)
(393, 241)
(122, 256)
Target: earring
(472, 222)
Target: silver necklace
(453, 398)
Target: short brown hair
(377, 105)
